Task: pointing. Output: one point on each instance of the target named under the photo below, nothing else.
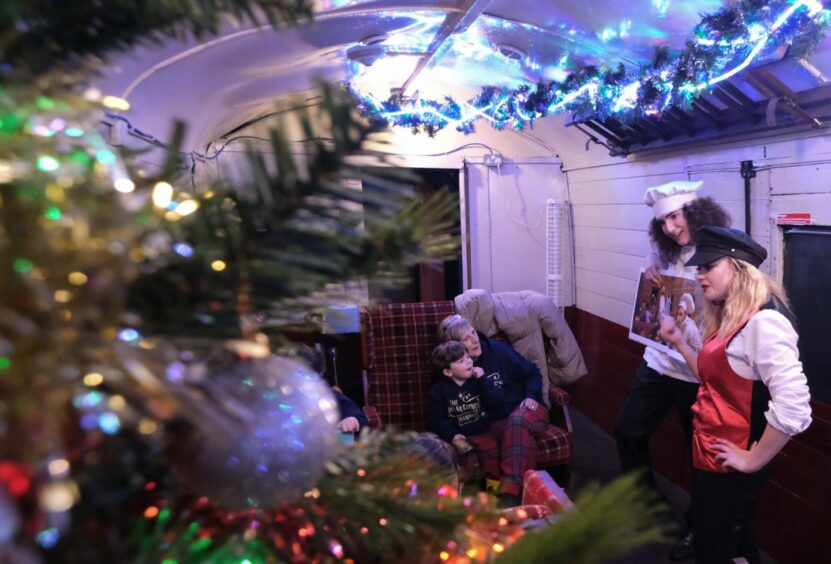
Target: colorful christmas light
(723, 44)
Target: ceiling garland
(723, 44)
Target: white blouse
(765, 349)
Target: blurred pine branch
(606, 522)
(40, 36)
(293, 232)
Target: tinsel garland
(381, 501)
(723, 43)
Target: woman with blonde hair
(753, 394)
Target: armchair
(397, 340)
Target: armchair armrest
(373, 416)
(559, 396)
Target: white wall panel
(652, 171)
(614, 287)
(479, 213)
(727, 188)
(507, 213)
(809, 179)
(611, 190)
(602, 306)
(622, 266)
(627, 242)
(624, 216)
(611, 241)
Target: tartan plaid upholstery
(398, 340)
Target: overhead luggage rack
(758, 100)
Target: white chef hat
(671, 196)
(686, 301)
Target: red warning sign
(793, 219)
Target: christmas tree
(143, 415)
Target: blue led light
(628, 97)
(89, 421)
(661, 7)
(175, 371)
(109, 423)
(128, 335)
(183, 249)
(48, 537)
(623, 97)
(813, 7)
(88, 400)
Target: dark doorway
(808, 284)
(426, 282)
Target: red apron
(723, 407)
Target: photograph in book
(674, 297)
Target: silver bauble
(262, 433)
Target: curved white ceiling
(221, 83)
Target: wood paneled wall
(794, 514)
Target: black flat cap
(712, 243)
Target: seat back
(398, 340)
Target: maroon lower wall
(793, 521)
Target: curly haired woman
(663, 382)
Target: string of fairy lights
(723, 44)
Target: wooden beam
(776, 85)
(681, 119)
(602, 131)
(731, 102)
(786, 96)
(708, 106)
(736, 93)
(701, 110)
(642, 133)
(656, 128)
(620, 130)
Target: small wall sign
(793, 219)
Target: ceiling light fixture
(511, 52)
(366, 54)
(374, 39)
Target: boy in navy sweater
(457, 413)
(456, 410)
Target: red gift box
(541, 489)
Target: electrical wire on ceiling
(112, 120)
(490, 149)
(538, 141)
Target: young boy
(457, 408)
